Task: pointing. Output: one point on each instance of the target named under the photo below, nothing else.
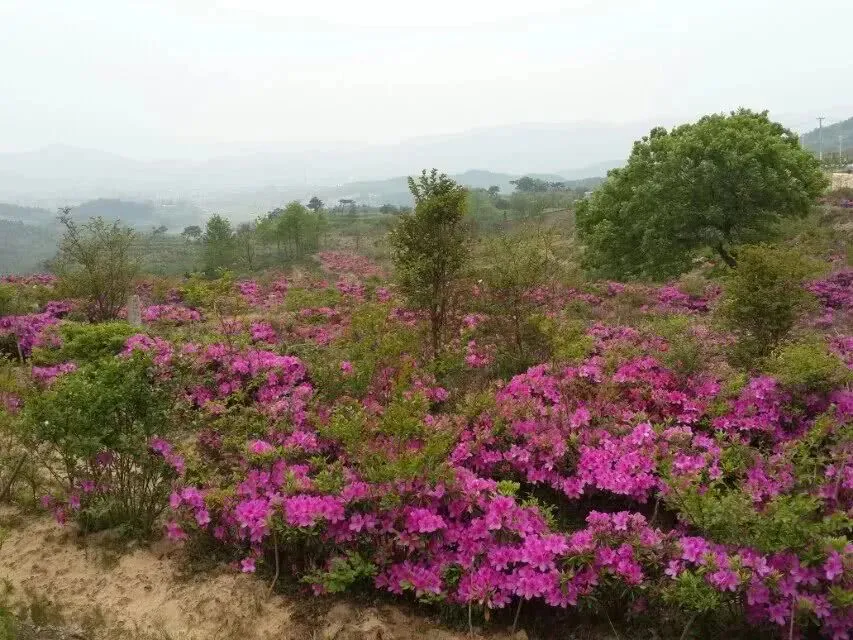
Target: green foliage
(430, 247)
(684, 353)
(192, 232)
(788, 522)
(371, 342)
(342, 572)
(298, 298)
(82, 342)
(808, 365)
(515, 264)
(245, 246)
(15, 300)
(569, 341)
(8, 625)
(20, 299)
(97, 262)
(382, 447)
(205, 293)
(295, 230)
(714, 184)
(691, 592)
(219, 245)
(763, 298)
(116, 405)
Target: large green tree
(430, 247)
(713, 184)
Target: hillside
(24, 247)
(396, 190)
(31, 215)
(833, 134)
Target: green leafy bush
(515, 265)
(430, 247)
(97, 424)
(98, 262)
(82, 342)
(807, 365)
(567, 337)
(697, 188)
(786, 523)
(684, 353)
(298, 298)
(764, 297)
(342, 573)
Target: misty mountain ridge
(61, 172)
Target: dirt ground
(71, 588)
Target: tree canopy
(315, 204)
(713, 184)
(97, 261)
(430, 246)
(219, 244)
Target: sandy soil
(142, 594)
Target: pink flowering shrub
(170, 314)
(30, 331)
(347, 263)
(428, 504)
(631, 468)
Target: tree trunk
(728, 258)
(435, 333)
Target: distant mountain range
(244, 183)
(60, 174)
(142, 215)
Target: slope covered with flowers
(632, 468)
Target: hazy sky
(173, 77)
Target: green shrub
(19, 299)
(788, 522)
(371, 342)
(381, 447)
(8, 625)
(684, 353)
(97, 261)
(808, 365)
(342, 572)
(10, 302)
(205, 293)
(82, 342)
(97, 423)
(568, 339)
(514, 265)
(298, 299)
(763, 298)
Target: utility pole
(820, 138)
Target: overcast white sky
(173, 77)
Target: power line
(820, 137)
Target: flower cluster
(30, 330)
(347, 263)
(170, 314)
(46, 375)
